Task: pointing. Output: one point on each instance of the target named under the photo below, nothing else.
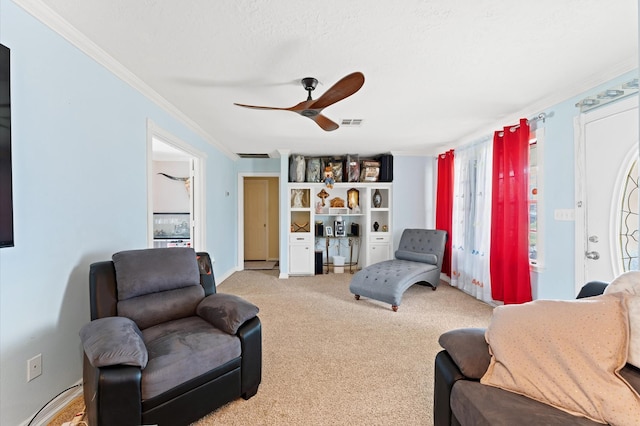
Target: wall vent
(351, 122)
(253, 155)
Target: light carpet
(331, 360)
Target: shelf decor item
(297, 168)
(376, 199)
(313, 170)
(322, 195)
(299, 199)
(369, 171)
(353, 198)
(352, 164)
(376, 225)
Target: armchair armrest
(112, 395)
(250, 334)
(226, 312)
(114, 341)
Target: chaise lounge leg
(395, 308)
(357, 296)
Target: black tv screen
(6, 198)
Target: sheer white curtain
(471, 230)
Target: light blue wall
(413, 194)
(80, 194)
(259, 165)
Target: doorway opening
(259, 232)
(175, 192)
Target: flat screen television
(6, 197)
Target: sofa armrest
(468, 349)
(114, 341)
(446, 374)
(465, 357)
(592, 288)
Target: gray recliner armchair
(163, 347)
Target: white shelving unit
(301, 261)
(351, 202)
(379, 243)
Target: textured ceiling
(437, 72)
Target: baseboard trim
(55, 406)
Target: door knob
(593, 255)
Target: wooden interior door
(256, 240)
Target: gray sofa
(460, 398)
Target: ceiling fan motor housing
(309, 83)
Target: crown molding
(50, 18)
(580, 88)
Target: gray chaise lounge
(417, 260)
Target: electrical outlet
(34, 367)
(564, 214)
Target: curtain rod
(542, 116)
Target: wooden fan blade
(324, 122)
(342, 89)
(262, 107)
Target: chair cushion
(155, 308)
(182, 350)
(113, 341)
(427, 241)
(226, 311)
(140, 272)
(476, 404)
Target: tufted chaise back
(157, 285)
(422, 245)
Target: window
(535, 202)
(628, 242)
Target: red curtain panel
(444, 204)
(509, 262)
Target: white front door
(607, 144)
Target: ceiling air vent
(351, 122)
(253, 155)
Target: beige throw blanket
(566, 354)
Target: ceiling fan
(312, 109)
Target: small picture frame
(328, 231)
